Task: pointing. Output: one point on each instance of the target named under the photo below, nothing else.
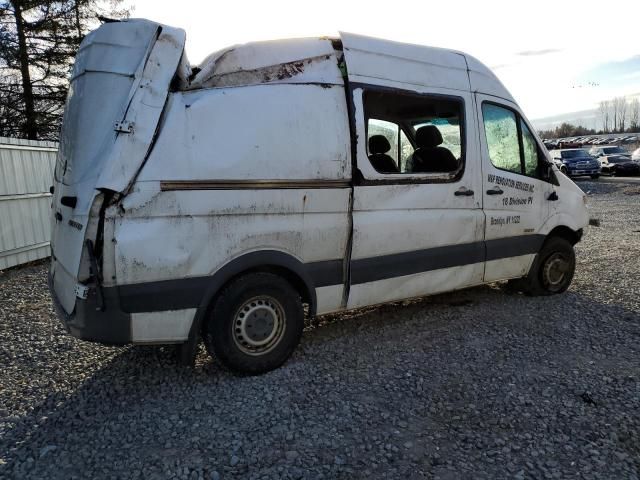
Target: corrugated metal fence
(26, 173)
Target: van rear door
(118, 89)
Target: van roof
(312, 60)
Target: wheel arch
(562, 231)
(272, 261)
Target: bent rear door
(117, 92)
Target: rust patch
(281, 71)
(288, 70)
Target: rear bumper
(110, 326)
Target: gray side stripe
(397, 265)
(513, 246)
(188, 292)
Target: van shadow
(404, 371)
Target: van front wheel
(256, 323)
(552, 270)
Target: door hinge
(124, 126)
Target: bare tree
(603, 110)
(614, 113)
(622, 112)
(634, 114)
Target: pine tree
(38, 42)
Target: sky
(555, 57)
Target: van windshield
(609, 150)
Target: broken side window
(414, 133)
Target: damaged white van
(285, 179)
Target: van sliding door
(417, 218)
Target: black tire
(596, 176)
(564, 170)
(255, 324)
(552, 270)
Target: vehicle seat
(430, 156)
(378, 148)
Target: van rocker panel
(113, 325)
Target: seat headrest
(378, 144)
(428, 136)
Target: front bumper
(110, 326)
(573, 170)
(627, 170)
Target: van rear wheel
(552, 270)
(256, 323)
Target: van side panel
(372, 60)
(224, 180)
(261, 132)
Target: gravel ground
(476, 384)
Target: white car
(285, 179)
(635, 156)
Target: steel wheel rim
(555, 271)
(258, 325)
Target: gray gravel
(481, 383)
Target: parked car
(575, 162)
(635, 156)
(615, 160)
(600, 151)
(281, 180)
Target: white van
(286, 179)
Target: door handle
(495, 191)
(463, 192)
(70, 202)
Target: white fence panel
(26, 173)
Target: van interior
(414, 133)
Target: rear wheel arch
(255, 323)
(273, 261)
(269, 261)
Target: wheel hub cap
(258, 325)
(555, 269)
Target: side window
(530, 150)
(501, 129)
(511, 144)
(411, 133)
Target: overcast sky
(554, 56)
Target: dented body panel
(258, 159)
(308, 60)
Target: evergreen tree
(38, 42)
